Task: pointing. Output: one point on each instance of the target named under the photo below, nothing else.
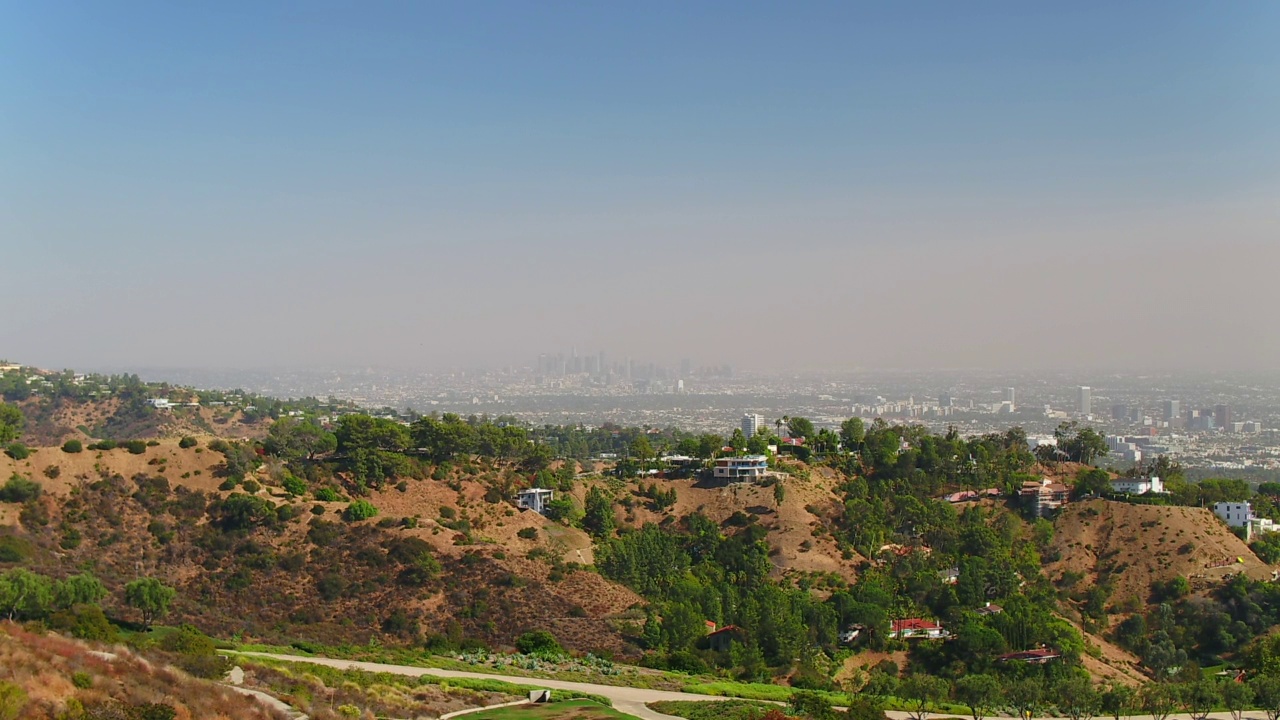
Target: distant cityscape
(1208, 421)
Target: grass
(781, 693)
(570, 710)
(713, 709)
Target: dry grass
(47, 668)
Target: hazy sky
(799, 184)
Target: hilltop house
(749, 467)
(1137, 486)
(917, 629)
(721, 639)
(535, 499)
(1043, 497)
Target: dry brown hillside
(1134, 545)
(52, 672)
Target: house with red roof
(917, 629)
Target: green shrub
(539, 642)
(14, 549)
(187, 442)
(359, 510)
(18, 451)
(327, 495)
(103, 445)
(72, 446)
(294, 485)
(19, 490)
(82, 680)
(250, 486)
(528, 533)
(135, 447)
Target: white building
(751, 424)
(1137, 486)
(535, 499)
(738, 468)
(1085, 400)
(160, 403)
(1235, 514)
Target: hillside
(1133, 546)
(54, 674)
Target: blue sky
(446, 183)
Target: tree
(1116, 700)
(72, 446)
(921, 693)
(11, 422)
(1025, 695)
(597, 518)
(82, 589)
(1236, 696)
(1266, 694)
(293, 439)
(641, 449)
(25, 595)
(809, 704)
(1076, 698)
(779, 494)
(852, 432)
(1158, 700)
(798, 427)
(1198, 698)
(150, 597)
(981, 693)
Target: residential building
(917, 629)
(1235, 514)
(989, 609)
(1044, 497)
(751, 424)
(535, 499)
(1039, 656)
(741, 468)
(1137, 486)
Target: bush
(86, 622)
(250, 486)
(359, 510)
(72, 446)
(18, 451)
(82, 680)
(19, 490)
(135, 447)
(103, 445)
(528, 533)
(294, 485)
(52, 472)
(539, 642)
(327, 495)
(13, 549)
(187, 442)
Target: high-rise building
(1172, 410)
(1009, 397)
(945, 400)
(1119, 412)
(751, 424)
(1222, 416)
(1085, 401)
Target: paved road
(625, 699)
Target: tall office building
(1085, 401)
(1009, 398)
(1222, 417)
(1172, 410)
(945, 400)
(751, 424)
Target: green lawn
(568, 710)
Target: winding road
(625, 699)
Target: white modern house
(1240, 515)
(1137, 486)
(535, 499)
(748, 467)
